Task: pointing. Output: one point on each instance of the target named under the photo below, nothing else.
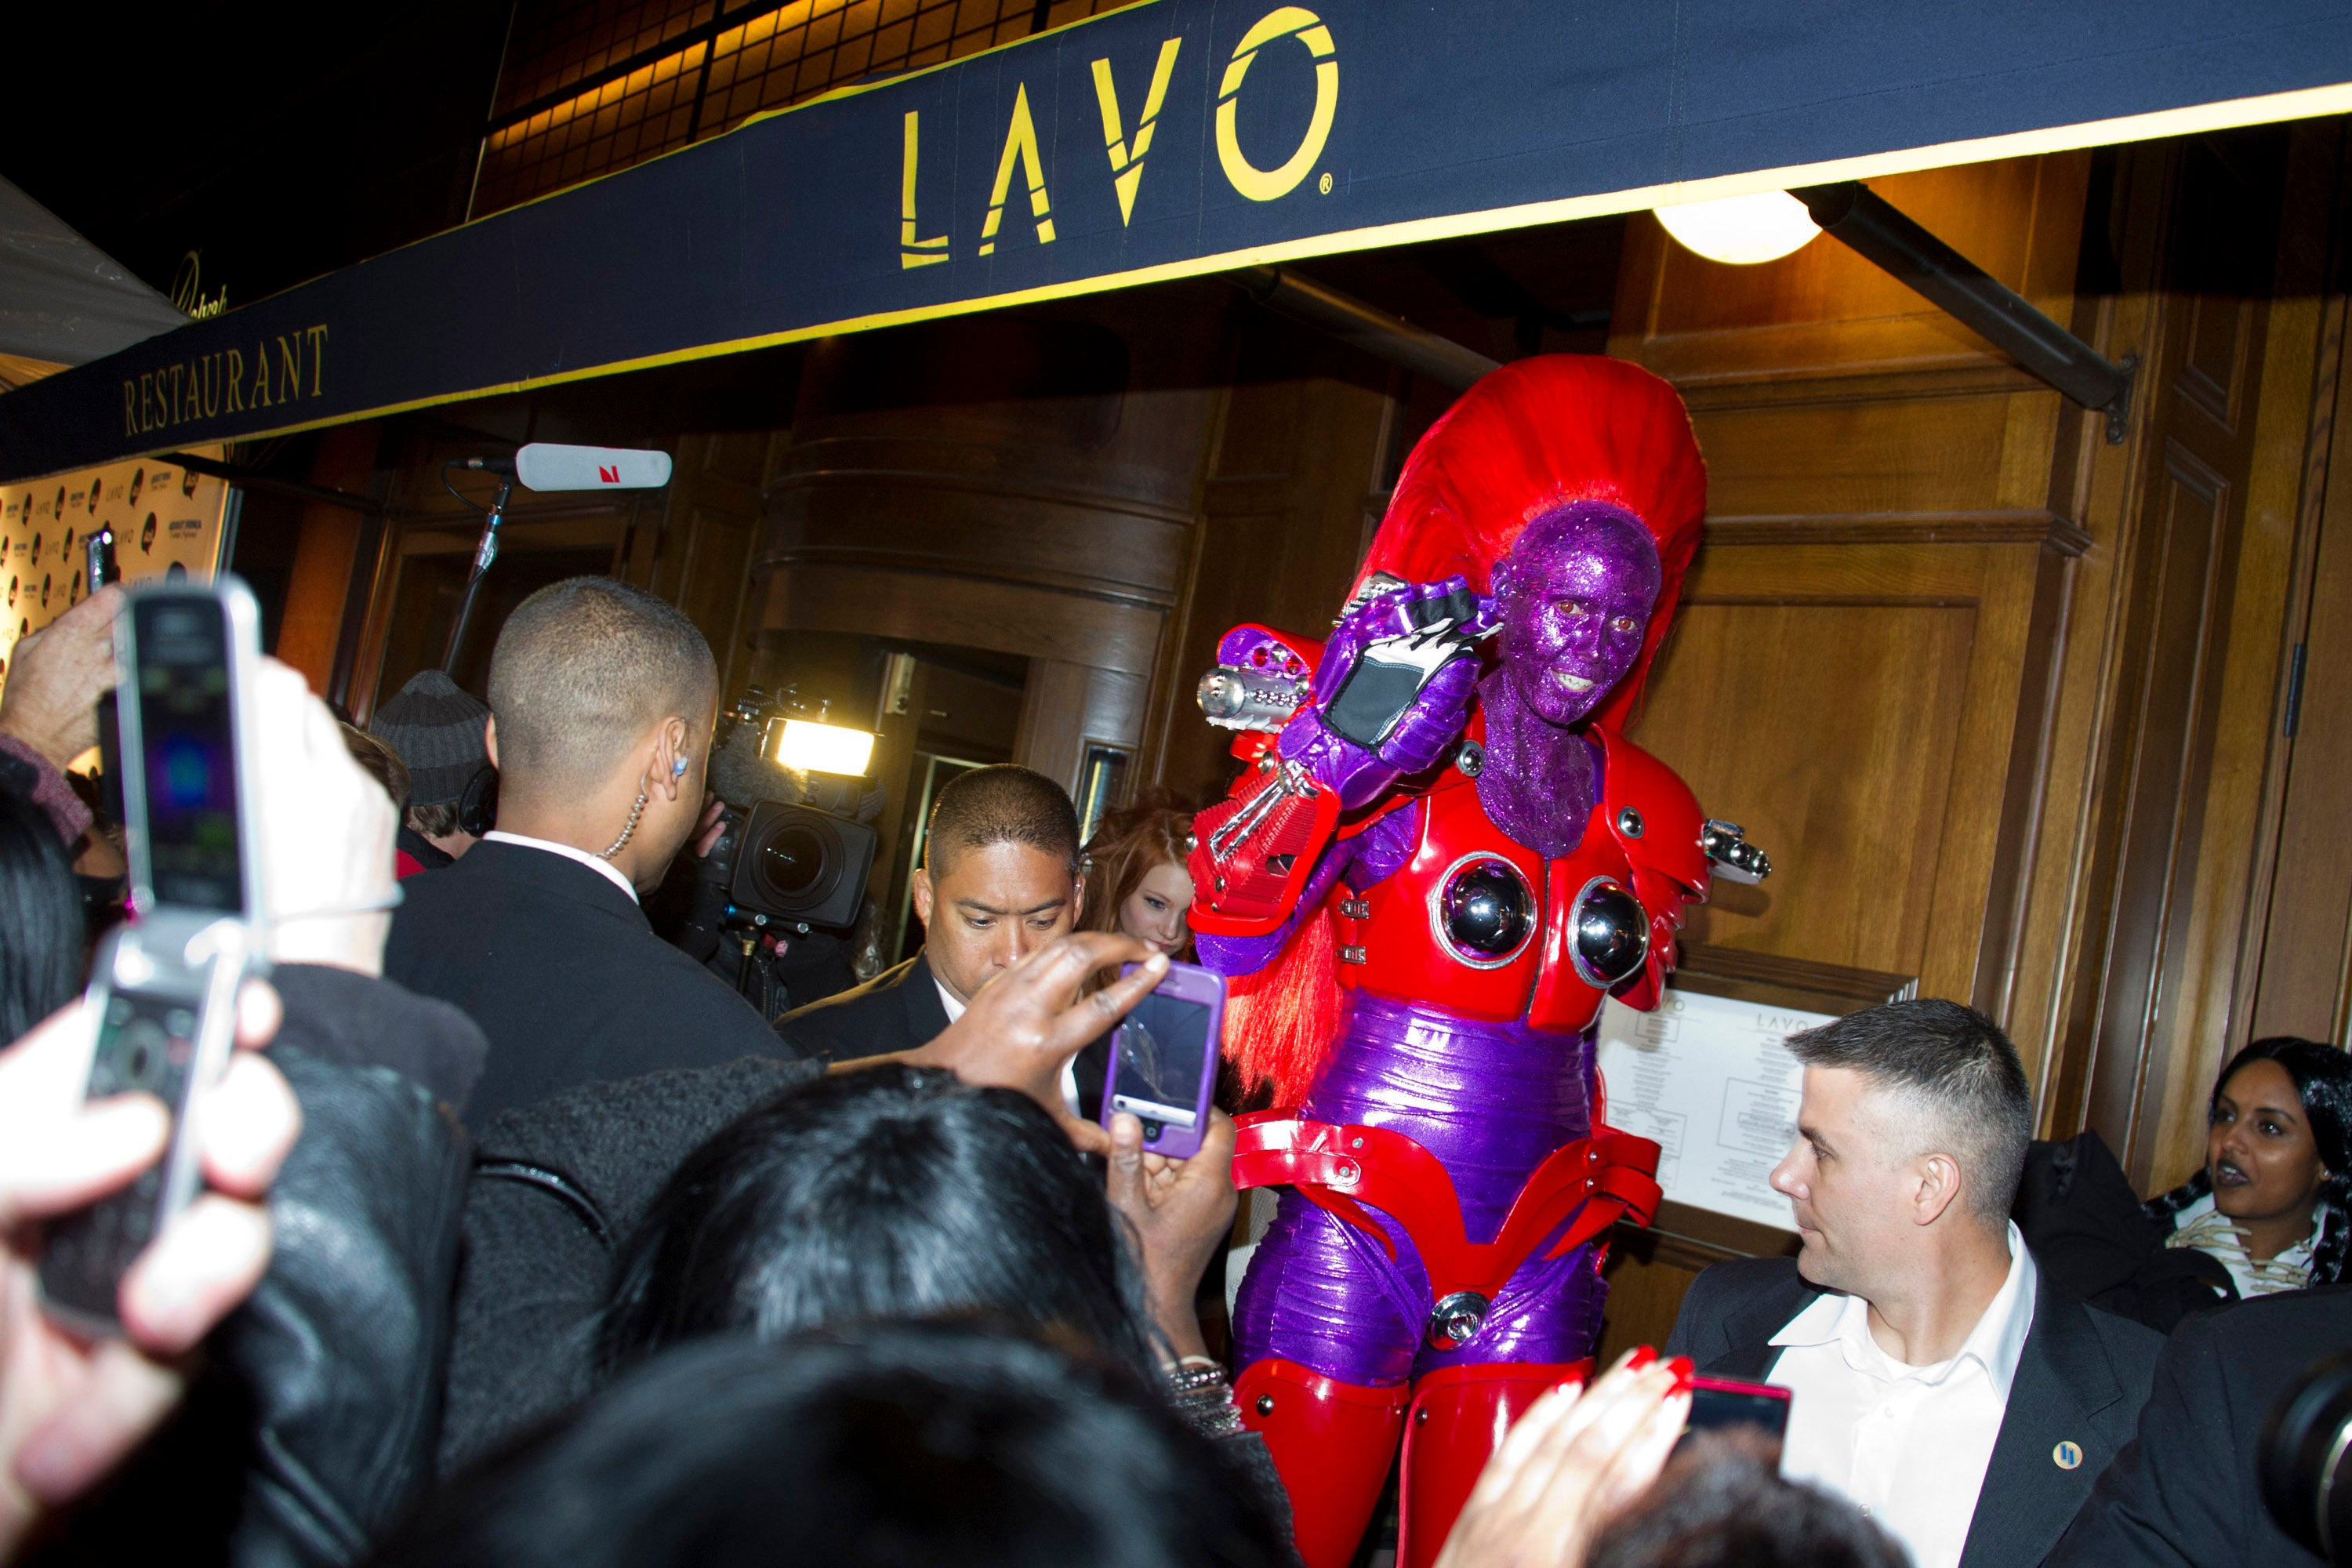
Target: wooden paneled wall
(1869, 624)
(2000, 698)
(1022, 483)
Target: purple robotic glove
(1393, 690)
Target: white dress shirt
(604, 869)
(1069, 1074)
(1907, 1445)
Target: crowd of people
(526, 1240)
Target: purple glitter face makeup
(1577, 591)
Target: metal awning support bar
(255, 480)
(1881, 234)
(1365, 326)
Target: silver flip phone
(164, 987)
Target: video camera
(2305, 1459)
(790, 867)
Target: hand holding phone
(61, 1431)
(1177, 1210)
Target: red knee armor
(1458, 1418)
(1331, 1443)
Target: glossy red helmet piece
(1528, 438)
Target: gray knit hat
(438, 731)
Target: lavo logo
(1022, 157)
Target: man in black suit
(1940, 1380)
(602, 703)
(1001, 877)
(2187, 1493)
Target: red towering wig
(1528, 439)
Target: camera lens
(142, 1054)
(2307, 1458)
(793, 860)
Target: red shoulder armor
(1658, 825)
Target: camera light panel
(811, 747)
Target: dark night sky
(277, 141)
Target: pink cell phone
(1163, 1059)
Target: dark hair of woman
(1721, 1503)
(2323, 1082)
(880, 1446)
(893, 1191)
(42, 943)
(1156, 830)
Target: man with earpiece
(601, 701)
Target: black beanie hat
(437, 730)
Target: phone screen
(188, 736)
(1715, 1404)
(1163, 1049)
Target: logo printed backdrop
(1174, 138)
(162, 517)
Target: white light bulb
(1741, 230)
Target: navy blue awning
(1178, 138)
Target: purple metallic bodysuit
(1490, 1097)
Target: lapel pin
(2067, 1454)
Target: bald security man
(602, 703)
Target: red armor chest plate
(1405, 936)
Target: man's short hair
(581, 668)
(1955, 1065)
(1002, 804)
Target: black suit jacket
(896, 1010)
(563, 975)
(899, 1009)
(2081, 1376)
(2185, 1493)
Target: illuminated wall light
(1741, 230)
(815, 748)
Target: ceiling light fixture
(1741, 231)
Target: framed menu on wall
(165, 519)
(1708, 1076)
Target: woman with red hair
(1421, 893)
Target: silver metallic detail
(1454, 1321)
(1629, 823)
(1614, 937)
(1353, 955)
(1732, 857)
(1438, 925)
(1233, 697)
(1471, 758)
(1356, 909)
(1376, 584)
(1243, 823)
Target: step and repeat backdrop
(163, 521)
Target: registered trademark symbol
(1324, 184)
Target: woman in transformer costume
(1420, 893)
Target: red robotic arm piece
(1252, 852)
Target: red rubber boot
(1459, 1418)
(1331, 1443)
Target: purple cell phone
(1163, 1059)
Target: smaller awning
(63, 301)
